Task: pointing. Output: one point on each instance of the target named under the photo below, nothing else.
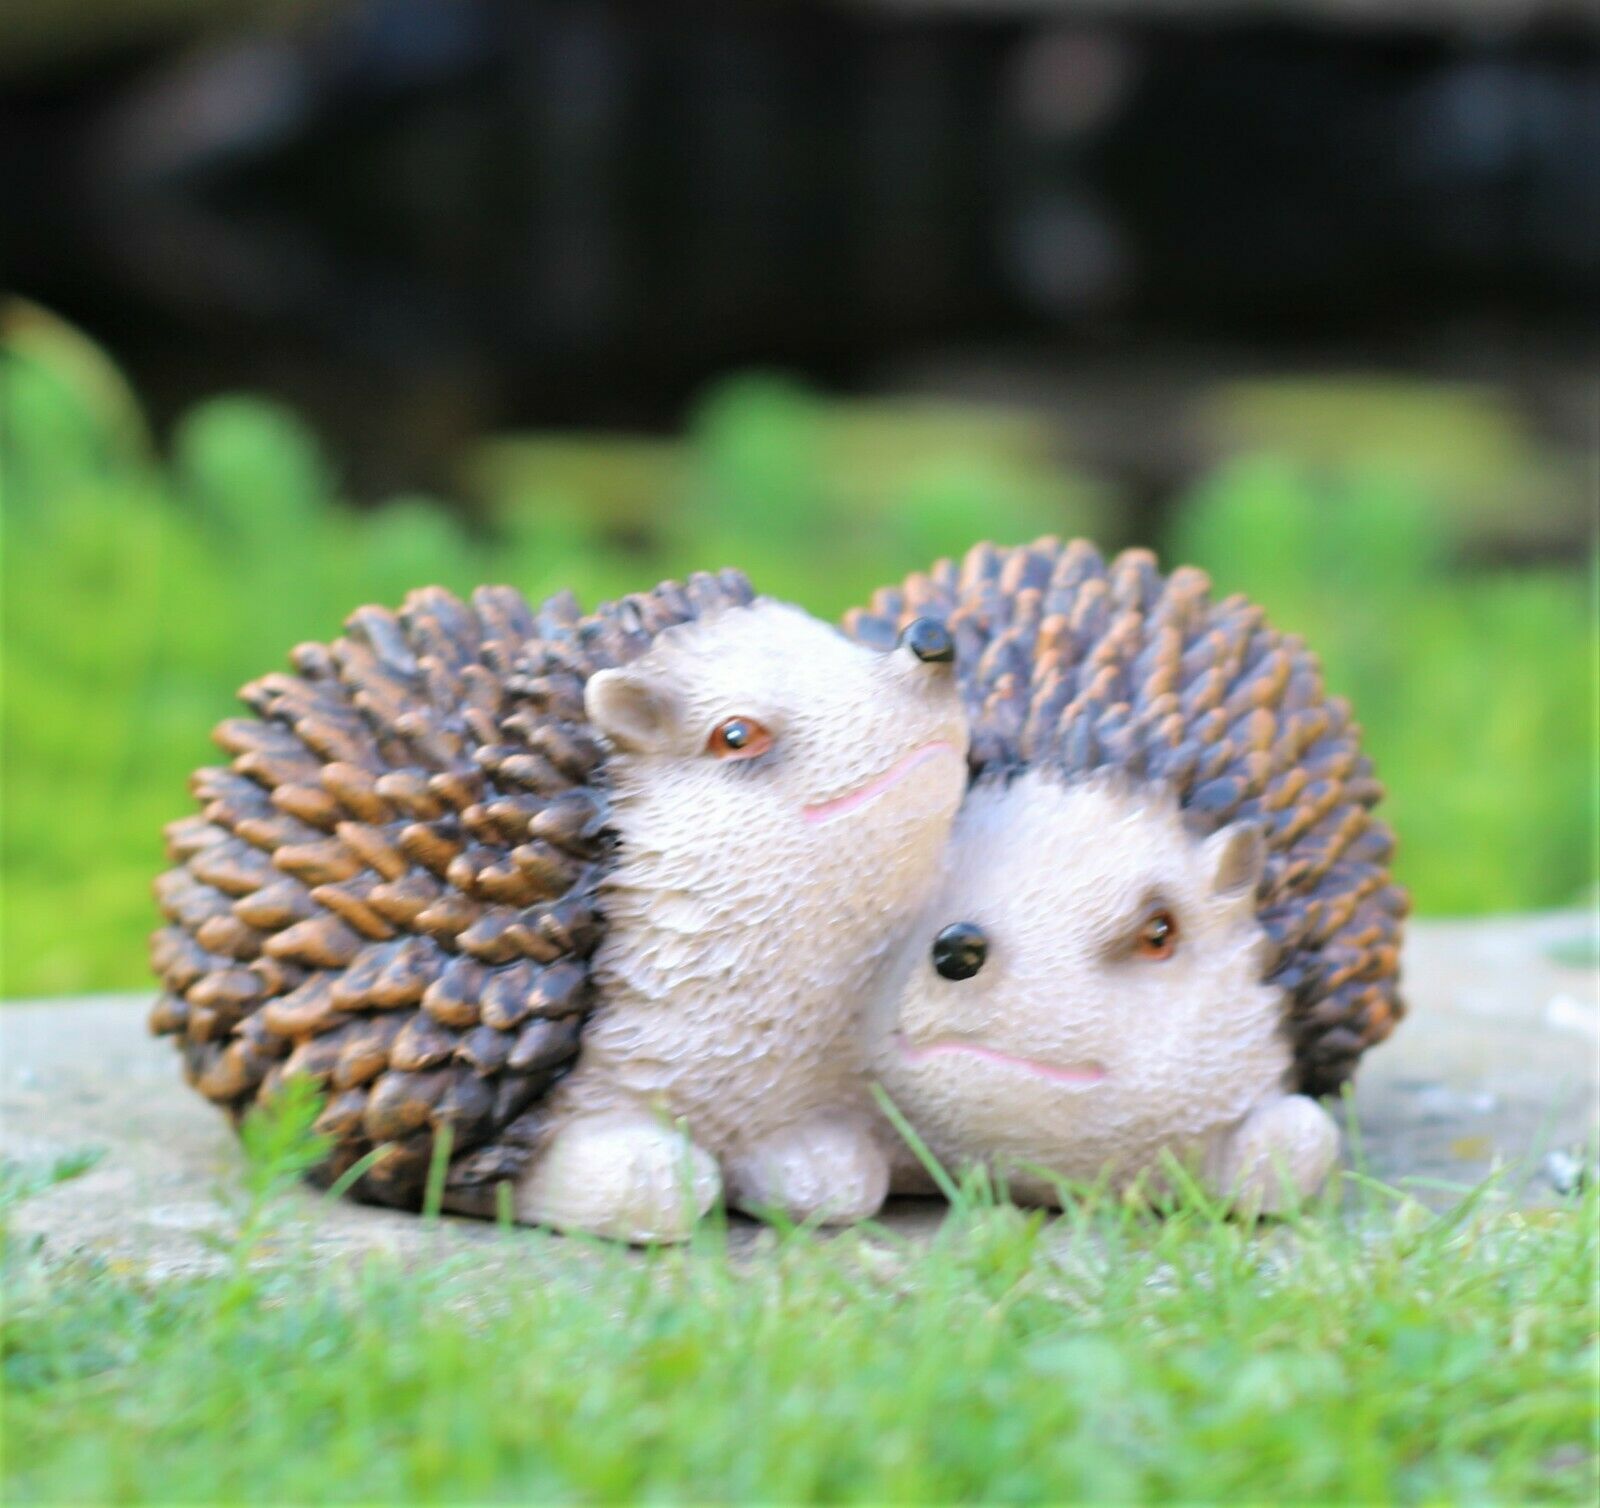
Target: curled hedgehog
(605, 896)
(1166, 922)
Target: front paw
(1279, 1154)
(625, 1177)
(830, 1171)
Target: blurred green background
(146, 577)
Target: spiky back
(391, 888)
(1069, 662)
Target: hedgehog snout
(929, 641)
(926, 655)
(922, 666)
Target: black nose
(929, 640)
(959, 951)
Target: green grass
(1476, 686)
(144, 583)
(142, 589)
(1370, 1353)
(1460, 446)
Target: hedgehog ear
(633, 711)
(1236, 858)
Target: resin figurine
(1166, 923)
(606, 896)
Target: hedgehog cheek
(636, 712)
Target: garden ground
(184, 1324)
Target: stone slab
(1497, 1066)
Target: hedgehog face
(1086, 990)
(757, 752)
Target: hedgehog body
(464, 840)
(1166, 921)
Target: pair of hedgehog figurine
(1079, 864)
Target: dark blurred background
(1306, 291)
(423, 219)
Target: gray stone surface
(1498, 1065)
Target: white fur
(743, 940)
(1068, 1052)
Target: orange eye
(738, 738)
(1158, 937)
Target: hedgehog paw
(1279, 1154)
(832, 1171)
(626, 1177)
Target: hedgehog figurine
(1166, 922)
(604, 896)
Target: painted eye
(1158, 936)
(959, 951)
(738, 738)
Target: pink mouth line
(1082, 1076)
(838, 806)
